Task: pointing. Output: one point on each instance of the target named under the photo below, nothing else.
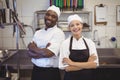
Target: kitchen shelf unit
(62, 22)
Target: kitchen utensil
(4, 54)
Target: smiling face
(76, 28)
(51, 18)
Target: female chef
(78, 55)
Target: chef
(78, 54)
(44, 48)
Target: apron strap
(71, 39)
(86, 44)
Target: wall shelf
(62, 22)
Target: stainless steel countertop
(7, 56)
(20, 59)
(24, 61)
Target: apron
(42, 73)
(79, 56)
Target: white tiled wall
(26, 9)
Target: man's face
(51, 18)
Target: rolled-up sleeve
(64, 52)
(93, 50)
(55, 42)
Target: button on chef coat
(42, 37)
(78, 45)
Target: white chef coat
(76, 44)
(42, 37)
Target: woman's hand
(92, 58)
(72, 68)
(67, 61)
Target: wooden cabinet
(62, 22)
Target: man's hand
(32, 46)
(48, 45)
(31, 50)
(33, 55)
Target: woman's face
(50, 18)
(76, 27)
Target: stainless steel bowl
(3, 53)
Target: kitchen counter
(103, 72)
(22, 60)
(7, 56)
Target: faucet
(96, 37)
